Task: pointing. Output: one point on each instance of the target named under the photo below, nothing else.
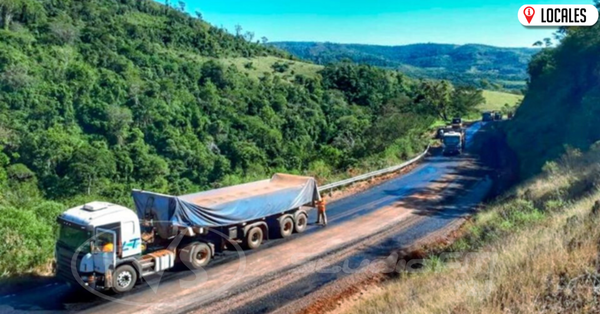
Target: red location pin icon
(529, 12)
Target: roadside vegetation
(99, 97)
(560, 109)
(535, 249)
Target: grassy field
(533, 250)
(496, 100)
(257, 67)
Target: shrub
(28, 240)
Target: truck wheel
(196, 255)
(124, 279)
(301, 222)
(253, 238)
(286, 227)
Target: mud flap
(108, 279)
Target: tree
(118, 120)
(264, 40)
(198, 14)
(238, 30)
(434, 98)
(8, 8)
(15, 77)
(90, 163)
(249, 36)
(181, 6)
(465, 99)
(64, 33)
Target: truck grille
(64, 259)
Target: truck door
(131, 242)
(105, 256)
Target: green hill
(561, 110)
(505, 68)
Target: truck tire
(253, 238)
(300, 222)
(286, 227)
(196, 255)
(124, 279)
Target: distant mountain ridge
(463, 64)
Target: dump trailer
(106, 246)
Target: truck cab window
(104, 243)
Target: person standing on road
(322, 218)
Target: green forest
(98, 97)
(561, 111)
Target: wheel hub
(201, 255)
(124, 279)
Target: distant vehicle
(457, 123)
(453, 143)
(109, 247)
(498, 115)
(487, 116)
(510, 115)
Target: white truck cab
(452, 143)
(95, 239)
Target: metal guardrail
(372, 174)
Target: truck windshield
(451, 140)
(74, 237)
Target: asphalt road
(268, 279)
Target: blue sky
(385, 22)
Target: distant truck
(110, 247)
(498, 116)
(439, 134)
(457, 123)
(487, 116)
(453, 143)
